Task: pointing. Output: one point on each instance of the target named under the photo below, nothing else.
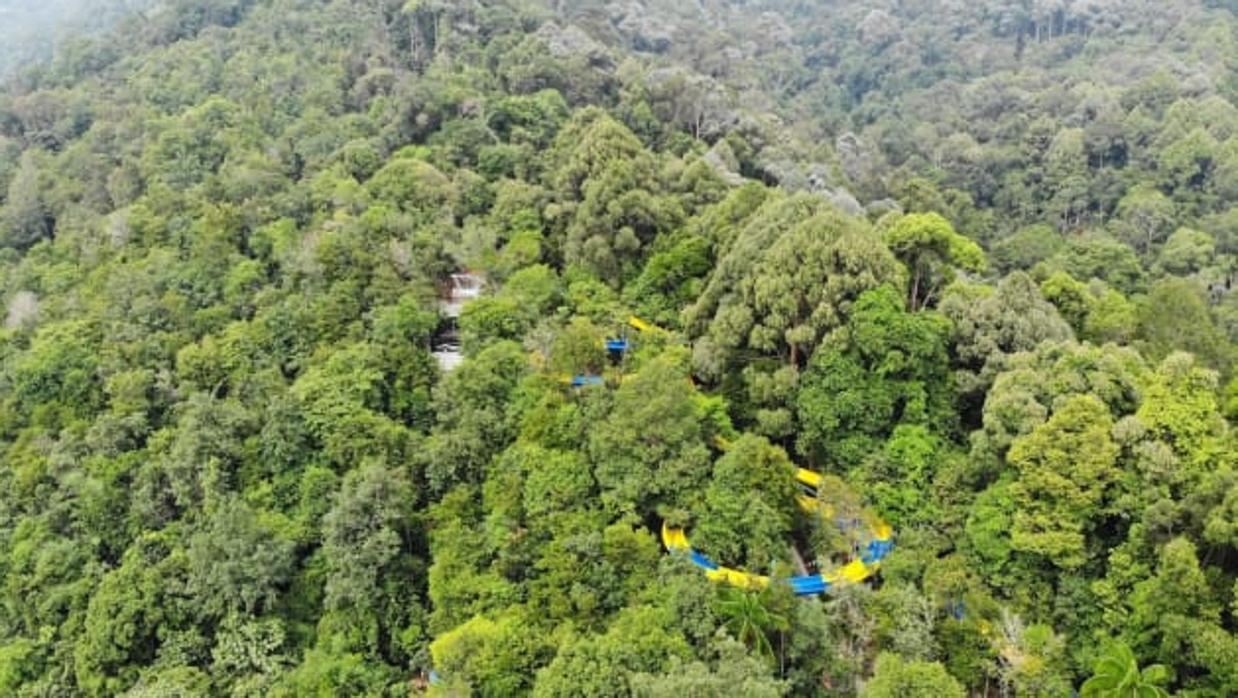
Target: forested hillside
(35, 32)
(969, 265)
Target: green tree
(1026, 248)
(733, 672)
(750, 618)
(473, 424)
(928, 246)
(1067, 168)
(893, 677)
(749, 506)
(786, 281)
(1032, 659)
(1186, 164)
(25, 218)
(493, 657)
(366, 539)
(1146, 216)
(1099, 257)
(606, 184)
(1175, 316)
(670, 281)
(235, 565)
(248, 654)
(1065, 467)
(578, 349)
(1117, 675)
(414, 186)
(888, 367)
(990, 324)
(637, 642)
(652, 448)
(1186, 251)
(126, 616)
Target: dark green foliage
(749, 507)
(972, 261)
(887, 367)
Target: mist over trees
(35, 32)
(971, 262)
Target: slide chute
(879, 537)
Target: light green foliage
(751, 617)
(896, 678)
(733, 673)
(472, 420)
(988, 527)
(58, 375)
(235, 566)
(1180, 410)
(124, 618)
(899, 477)
(323, 675)
(1111, 317)
(670, 280)
(529, 119)
(19, 663)
(1099, 257)
(413, 186)
(525, 297)
(990, 324)
(787, 279)
(1095, 312)
(171, 682)
(1186, 251)
(1064, 468)
(638, 642)
(578, 349)
(928, 246)
(1117, 675)
(460, 585)
(1170, 609)
(1024, 395)
(250, 652)
(494, 658)
(1145, 217)
(1186, 162)
(365, 539)
(25, 218)
(906, 620)
(1033, 659)
(601, 568)
(342, 400)
(1069, 296)
(487, 320)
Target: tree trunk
(414, 41)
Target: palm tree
(1117, 675)
(749, 619)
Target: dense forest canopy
(32, 32)
(971, 263)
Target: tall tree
(930, 249)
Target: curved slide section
(865, 566)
